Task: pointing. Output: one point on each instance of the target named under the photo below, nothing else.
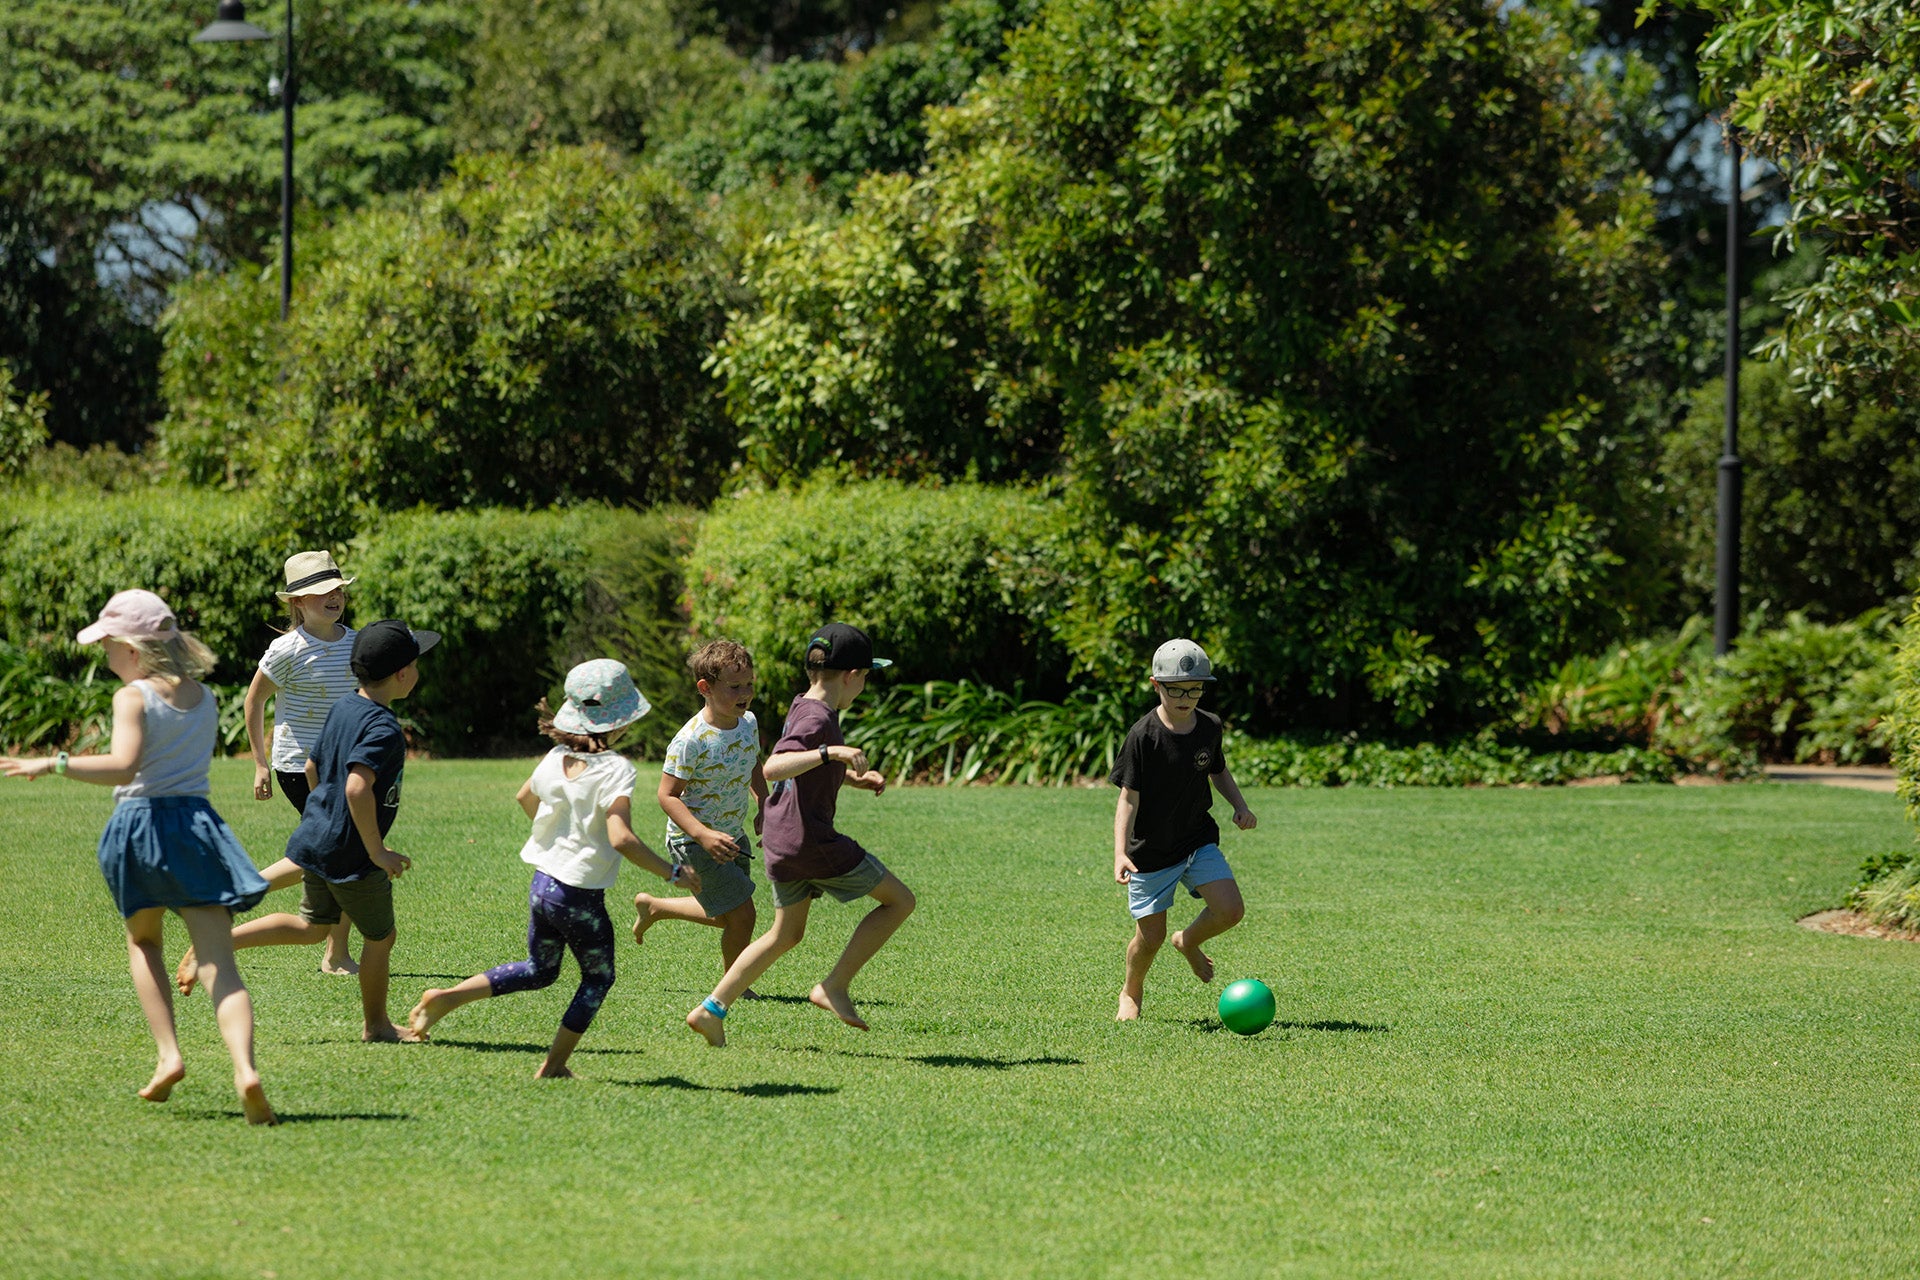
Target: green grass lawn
(1522, 1033)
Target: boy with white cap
(1164, 836)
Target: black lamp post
(1726, 596)
(230, 23)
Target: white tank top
(178, 749)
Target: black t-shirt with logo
(359, 731)
(1173, 774)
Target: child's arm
(1124, 813)
(782, 765)
(758, 785)
(258, 692)
(366, 820)
(526, 799)
(620, 835)
(723, 847)
(312, 771)
(1242, 816)
(115, 768)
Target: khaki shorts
(857, 883)
(368, 900)
(723, 885)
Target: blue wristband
(714, 1007)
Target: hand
(853, 757)
(394, 864)
(262, 782)
(28, 769)
(1243, 818)
(688, 877)
(720, 846)
(760, 820)
(1123, 868)
(871, 780)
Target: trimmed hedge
(951, 581)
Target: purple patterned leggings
(562, 916)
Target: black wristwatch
(824, 757)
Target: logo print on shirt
(1202, 759)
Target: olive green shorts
(368, 900)
(857, 883)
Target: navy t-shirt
(358, 731)
(1173, 772)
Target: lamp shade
(230, 23)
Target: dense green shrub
(950, 581)
(529, 332)
(44, 707)
(217, 558)
(23, 425)
(1904, 718)
(1317, 302)
(1831, 508)
(520, 596)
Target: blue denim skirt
(175, 851)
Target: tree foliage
(530, 332)
(1827, 90)
(1313, 302)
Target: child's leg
(736, 926)
(590, 935)
(1222, 911)
(789, 926)
(149, 968)
(896, 904)
(1149, 934)
(375, 953)
(736, 931)
(211, 931)
(286, 873)
(437, 1002)
(545, 947)
(281, 929)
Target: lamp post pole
(230, 24)
(1726, 596)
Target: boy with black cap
(340, 844)
(805, 856)
(1164, 836)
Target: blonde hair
(293, 607)
(180, 656)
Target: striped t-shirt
(312, 676)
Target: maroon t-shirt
(799, 840)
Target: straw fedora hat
(312, 573)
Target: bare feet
(187, 974)
(1129, 1009)
(643, 919)
(165, 1076)
(344, 966)
(253, 1100)
(1197, 959)
(552, 1073)
(431, 1009)
(709, 1026)
(837, 1003)
(392, 1034)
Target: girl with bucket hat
(305, 672)
(580, 799)
(165, 849)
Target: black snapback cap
(384, 647)
(844, 648)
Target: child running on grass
(580, 798)
(806, 856)
(1163, 831)
(305, 672)
(710, 783)
(165, 849)
(340, 845)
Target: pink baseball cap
(132, 615)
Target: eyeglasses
(1190, 691)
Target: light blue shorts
(1151, 892)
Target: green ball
(1247, 1006)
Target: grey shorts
(723, 885)
(368, 900)
(857, 883)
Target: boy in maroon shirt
(805, 856)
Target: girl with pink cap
(164, 848)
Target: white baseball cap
(1181, 660)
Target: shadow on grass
(766, 1090)
(1211, 1025)
(435, 977)
(764, 999)
(523, 1046)
(972, 1062)
(289, 1117)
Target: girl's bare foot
(837, 1003)
(187, 974)
(165, 1076)
(392, 1034)
(643, 918)
(344, 966)
(552, 1073)
(253, 1100)
(1129, 1009)
(1197, 959)
(709, 1026)
(430, 1010)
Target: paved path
(1860, 777)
